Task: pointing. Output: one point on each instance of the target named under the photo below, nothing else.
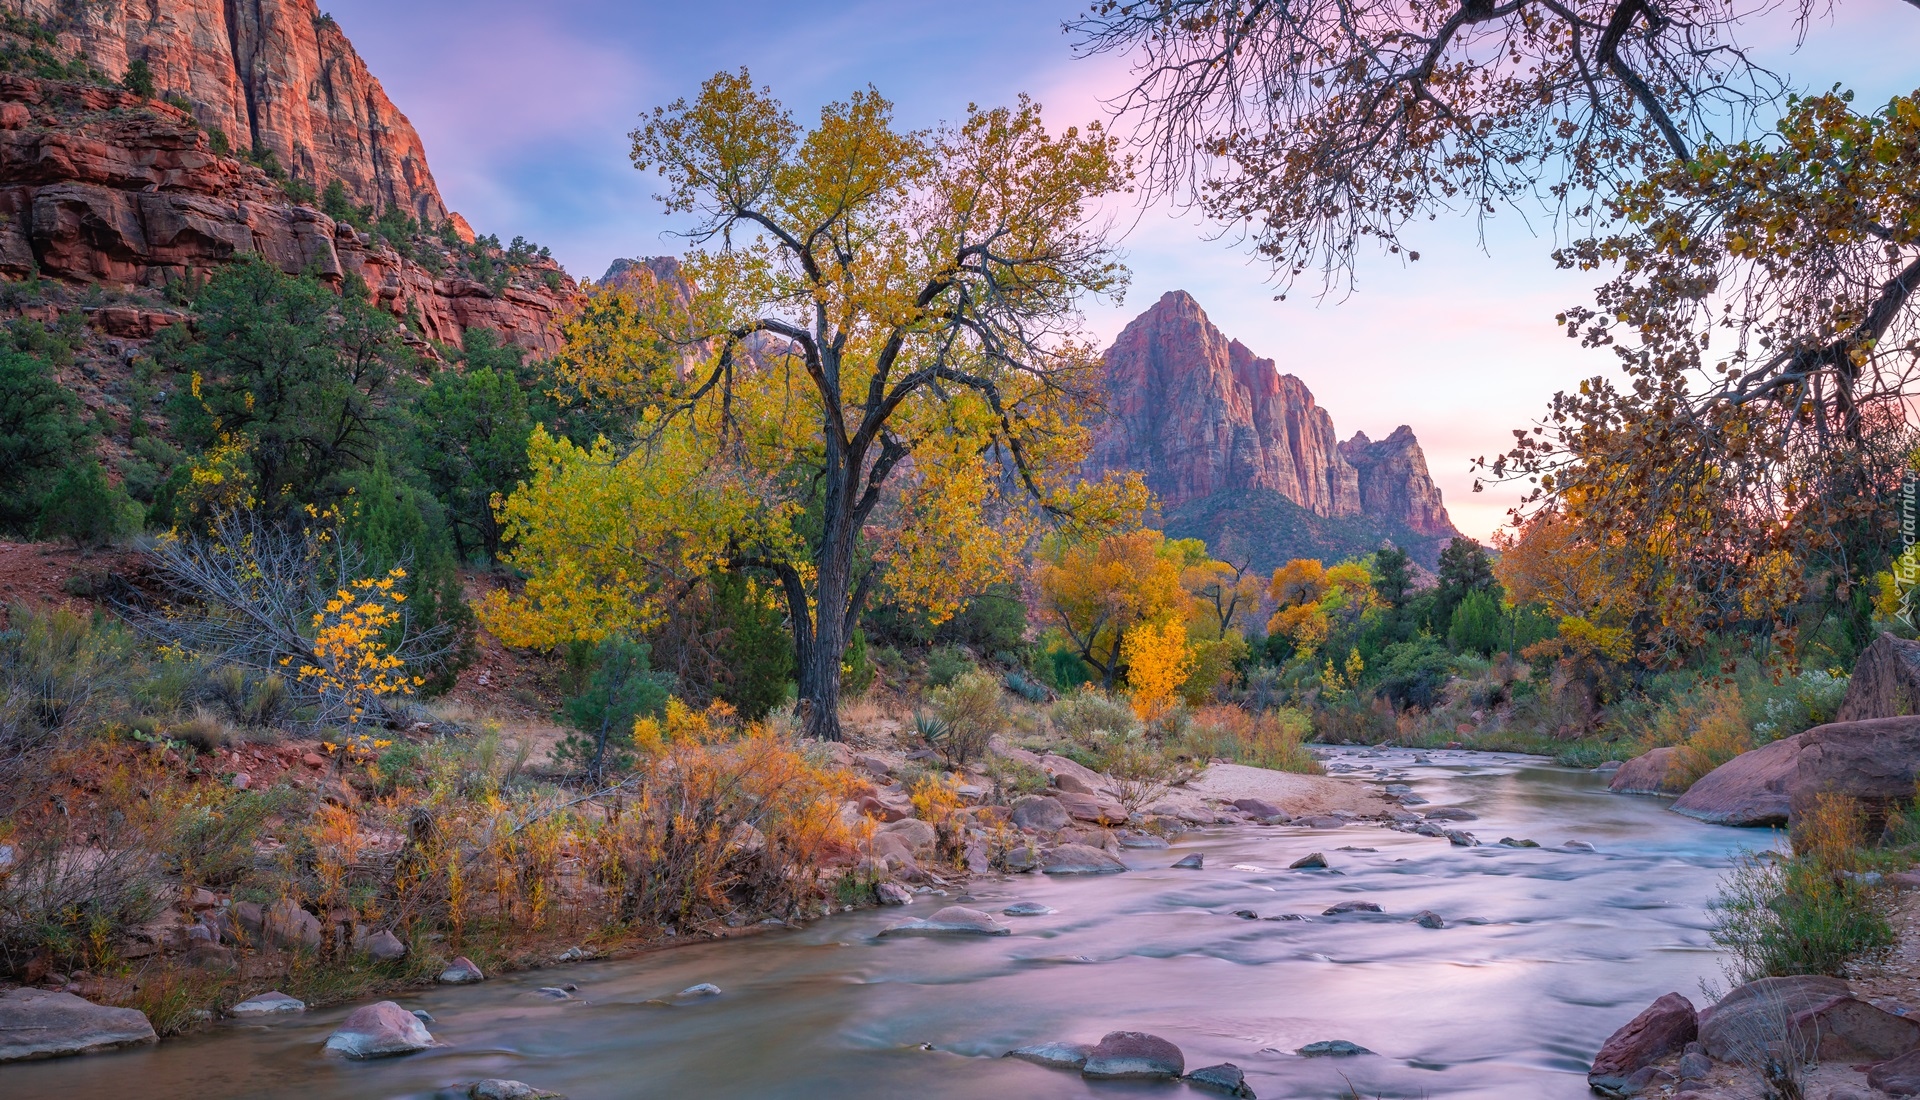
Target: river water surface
(1545, 952)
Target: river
(1545, 952)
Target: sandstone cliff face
(100, 186)
(271, 74)
(1204, 418)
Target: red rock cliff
(270, 74)
(1199, 414)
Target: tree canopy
(876, 382)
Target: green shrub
(40, 433)
(1797, 916)
(85, 510)
(1415, 673)
(1796, 704)
(622, 689)
(1089, 714)
(947, 664)
(138, 78)
(1478, 625)
(856, 669)
(969, 711)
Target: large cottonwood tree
(877, 382)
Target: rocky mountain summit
(1242, 455)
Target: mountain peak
(1205, 419)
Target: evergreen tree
(85, 509)
(40, 433)
(471, 437)
(622, 689)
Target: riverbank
(353, 877)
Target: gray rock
(1225, 1077)
(1194, 862)
(952, 920)
(384, 946)
(1323, 821)
(1460, 839)
(1579, 846)
(1332, 1048)
(462, 971)
(1246, 914)
(1134, 1054)
(1509, 842)
(892, 893)
(704, 989)
(1452, 813)
(1430, 919)
(267, 1004)
(1350, 907)
(1314, 862)
(1054, 1055)
(1259, 808)
(1029, 909)
(285, 924)
(379, 1030)
(553, 993)
(423, 1015)
(1694, 1066)
(918, 835)
(36, 1023)
(1078, 859)
(1143, 840)
(496, 1089)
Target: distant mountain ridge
(1242, 455)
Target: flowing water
(1544, 953)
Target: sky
(525, 111)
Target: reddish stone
(1655, 772)
(1667, 1025)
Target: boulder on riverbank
(1656, 772)
(36, 1023)
(1885, 683)
(1664, 1027)
(1752, 789)
(1760, 1012)
(1874, 762)
(380, 1030)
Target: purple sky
(525, 109)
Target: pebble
(1430, 919)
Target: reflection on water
(1545, 952)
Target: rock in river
(496, 1089)
(379, 1030)
(1134, 1054)
(1332, 1048)
(1078, 859)
(1314, 862)
(267, 1004)
(953, 920)
(1225, 1077)
(1029, 909)
(1351, 907)
(1194, 862)
(35, 1023)
(1054, 1055)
